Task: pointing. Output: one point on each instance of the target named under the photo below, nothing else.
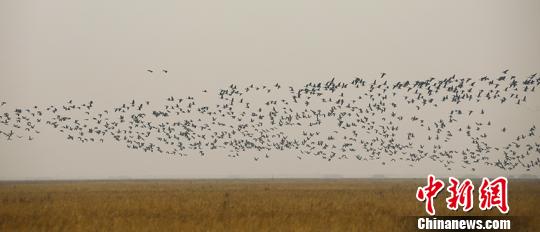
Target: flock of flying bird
(444, 120)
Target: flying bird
(370, 119)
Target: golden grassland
(234, 205)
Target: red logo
(491, 194)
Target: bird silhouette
(364, 119)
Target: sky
(57, 50)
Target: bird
(369, 119)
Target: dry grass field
(232, 205)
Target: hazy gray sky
(56, 50)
